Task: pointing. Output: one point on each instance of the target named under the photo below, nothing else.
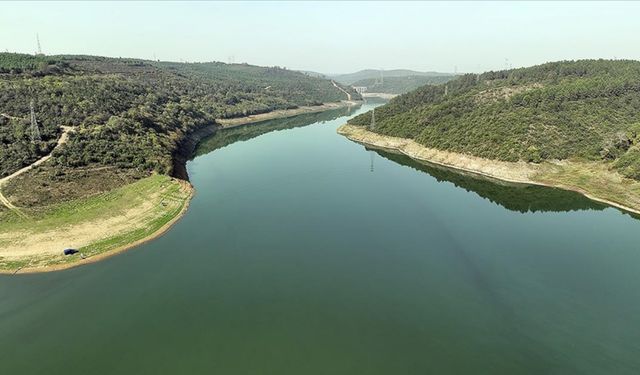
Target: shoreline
(381, 95)
(192, 139)
(512, 172)
(120, 249)
(282, 113)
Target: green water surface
(295, 257)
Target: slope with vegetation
(573, 113)
(129, 119)
(131, 113)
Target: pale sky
(330, 37)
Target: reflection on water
(515, 197)
(229, 136)
(294, 257)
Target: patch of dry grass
(95, 225)
(594, 179)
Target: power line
(371, 156)
(39, 47)
(372, 126)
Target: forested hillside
(588, 109)
(132, 114)
(400, 85)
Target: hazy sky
(330, 37)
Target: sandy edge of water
(518, 172)
(225, 124)
(282, 113)
(104, 255)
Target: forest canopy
(588, 109)
(133, 113)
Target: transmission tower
(371, 156)
(446, 90)
(39, 53)
(372, 126)
(35, 132)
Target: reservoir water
(305, 253)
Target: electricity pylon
(35, 131)
(39, 53)
(372, 126)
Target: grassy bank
(98, 226)
(595, 180)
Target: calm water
(295, 258)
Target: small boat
(70, 251)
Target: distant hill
(351, 78)
(401, 85)
(587, 110)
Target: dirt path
(341, 89)
(9, 116)
(62, 140)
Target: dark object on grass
(70, 251)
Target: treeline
(132, 113)
(574, 109)
(19, 63)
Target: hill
(401, 85)
(133, 114)
(587, 110)
(351, 78)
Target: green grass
(145, 231)
(155, 189)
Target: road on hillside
(62, 140)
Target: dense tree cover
(247, 89)
(573, 109)
(16, 148)
(132, 113)
(17, 63)
(401, 85)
